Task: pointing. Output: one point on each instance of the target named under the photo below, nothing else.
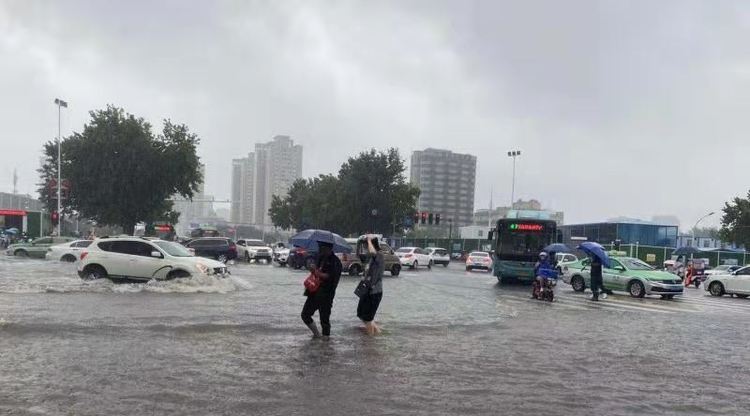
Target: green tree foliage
(120, 172)
(735, 223)
(371, 182)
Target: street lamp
(513, 154)
(60, 104)
(698, 222)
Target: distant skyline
(630, 109)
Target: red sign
(526, 227)
(13, 212)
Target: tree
(735, 223)
(369, 193)
(120, 172)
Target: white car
(67, 252)
(136, 259)
(439, 255)
(413, 257)
(723, 269)
(734, 283)
(281, 254)
(479, 260)
(249, 249)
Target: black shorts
(368, 306)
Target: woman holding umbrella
(599, 258)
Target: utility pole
(60, 104)
(514, 154)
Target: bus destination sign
(524, 226)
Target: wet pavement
(454, 343)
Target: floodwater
(454, 343)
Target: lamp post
(60, 104)
(514, 154)
(698, 222)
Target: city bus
(516, 244)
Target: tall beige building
(446, 181)
(268, 171)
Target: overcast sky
(628, 108)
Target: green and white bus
(516, 244)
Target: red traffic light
(55, 217)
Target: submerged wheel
(222, 258)
(355, 270)
(742, 296)
(578, 284)
(68, 258)
(395, 270)
(636, 289)
(21, 253)
(667, 296)
(94, 272)
(177, 274)
(429, 265)
(716, 289)
(414, 265)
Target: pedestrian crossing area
(694, 301)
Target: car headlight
(202, 267)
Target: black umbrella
(686, 251)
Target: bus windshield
(521, 244)
(522, 240)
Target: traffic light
(430, 218)
(424, 217)
(55, 217)
(437, 219)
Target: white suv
(439, 255)
(137, 259)
(250, 249)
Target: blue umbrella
(308, 239)
(595, 249)
(557, 248)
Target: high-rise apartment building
(447, 181)
(268, 171)
(243, 186)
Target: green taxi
(37, 248)
(626, 274)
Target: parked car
(281, 254)
(36, 248)
(439, 255)
(479, 260)
(136, 259)
(414, 257)
(723, 269)
(350, 262)
(626, 274)
(67, 252)
(220, 248)
(735, 283)
(300, 257)
(249, 249)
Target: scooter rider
(543, 263)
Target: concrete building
(447, 182)
(278, 164)
(627, 230)
(268, 171)
(243, 188)
(22, 212)
(199, 207)
(704, 241)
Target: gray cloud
(634, 108)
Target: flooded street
(454, 343)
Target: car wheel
(636, 289)
(579, 285)
(94, 273)
(21, 253)
(414, 265)
(742, 296)
(309, 263)
(445, 264)
(178, 274)
(69, 258)
(697, 283)
(716, 289)
(395, 270)
(355, 270)
(222, 258)
(667, 296)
